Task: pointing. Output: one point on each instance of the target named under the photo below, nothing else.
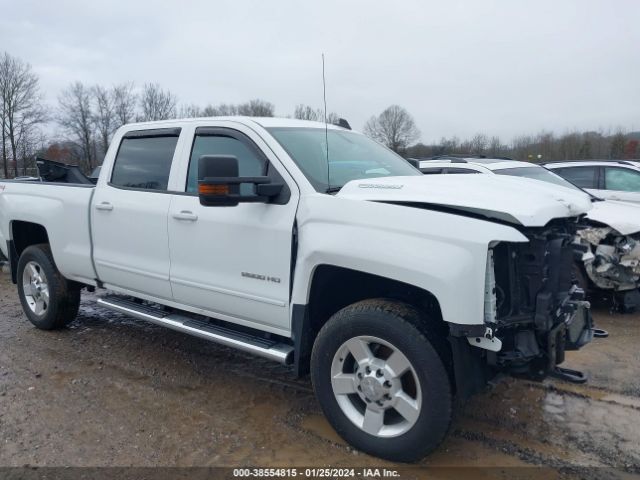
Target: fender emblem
(373, 185)
(258, 276)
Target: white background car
(611, 236)
(610, 179)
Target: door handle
(106, 206)
(186, 215)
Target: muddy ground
(114, 391)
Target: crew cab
(312, 245)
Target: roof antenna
(326, 126)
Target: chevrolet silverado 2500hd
(320, 248)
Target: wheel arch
(23, 235)
(333, 288)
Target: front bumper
(541, 312)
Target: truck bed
(63, 209)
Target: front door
(234, 262)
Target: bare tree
(479, 144)
(569, 147)
(22, 107)
(30, 141)
(256, 108)
(156, 103)
(305, 112)
(450, 145)
(520, 147)
(618, 142)
(222, 110)
(394, 127)
(332, 118)
(104, 116)
(77, 119)
(124, 103)
(495, 147)
(190, 111)
(3, 125)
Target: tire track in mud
(534, 457)
(586, 429)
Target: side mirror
(219, 183)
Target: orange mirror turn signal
(213, 189)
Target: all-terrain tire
(401, 327)
(63, 297)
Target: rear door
(621, 184)
(129, 214)
(234, 263)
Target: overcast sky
(499, 67)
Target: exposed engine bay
(539, 310)
(611, 260)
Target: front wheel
(380, 381)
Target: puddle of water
(319, 426)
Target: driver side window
(250, 164)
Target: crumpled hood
(515, 200)
(621, 216)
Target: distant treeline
(544, 146)
(86, 116)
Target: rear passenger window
(583, 177)
(144, 161)
(250, 164)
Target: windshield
(351, 156)
(537, 173)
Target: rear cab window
(144, 159)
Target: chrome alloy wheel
(35, 287)
(376, 386)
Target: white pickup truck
(313, 245)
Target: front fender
(442, 253)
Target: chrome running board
(262, 347)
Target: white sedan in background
(609, 179)
(610, 235)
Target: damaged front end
(536, 309)
(611, 260)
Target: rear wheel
(48, 299)
(380, 381)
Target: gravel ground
(111, 391)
